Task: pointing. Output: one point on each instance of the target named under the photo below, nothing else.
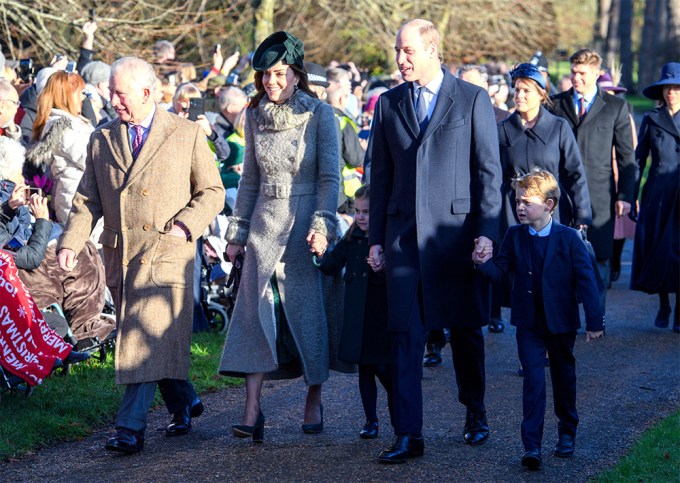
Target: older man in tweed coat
(152, 176)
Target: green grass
(656, 457)
(70, 407)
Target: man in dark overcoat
(435, 196)
(600, 122)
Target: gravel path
(626, 382)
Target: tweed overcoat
(289, 185)
(149, 273)
(656, 253)
(432, 194)
(606, 125)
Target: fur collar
(41, 152)
(289, 115)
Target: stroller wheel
(217, 319)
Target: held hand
(59, 64)
(622, 208)
(318, 243)
(202, 121)
(67, 259)
(18, 196)
(478, 258)
(376, 258)
(483, 245)
(591, 335)
(233, 251)
(178, 231)
(38, 206)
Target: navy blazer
(432, 194)
(567, 276)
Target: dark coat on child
(364, 337)
(567, 277)
(656, 255)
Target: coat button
(125, 262)
(530, 273)
(143, 261)
(146, 227)
(145, 192)
(291, 158)
(529, 292)
(123, 194)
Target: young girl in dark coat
(364, 338)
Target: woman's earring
(296, 87)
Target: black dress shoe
(256, 431)
(126, 441)
(433, 356)
(663, 318)
(370, 430)
(403, 448)
(196, 408)
(532, 459)
(565, 446)
(181, 420)
(476, 430)
(75, 356)
(314, 428)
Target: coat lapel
(408, 110)
(161, 131)
(442, 106)
(117, 138)
(567, 106)
(663, 119)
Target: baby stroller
(217, 296)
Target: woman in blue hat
(285, 207)
(656, 253)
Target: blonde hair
(186, 91)
(59, 93)
(538, 182)
(586, 56)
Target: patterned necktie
(138, 141)
(581, 108)
(421, 109)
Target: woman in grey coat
(286, 201)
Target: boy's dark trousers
(532, 344)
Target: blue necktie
(421, 109)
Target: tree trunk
(625, 42)
(602, 26)
(611, 49)
(263, 20)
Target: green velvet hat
(279, 46)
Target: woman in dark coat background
(533, 137)
(656, 258)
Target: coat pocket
(453, 124)
(173, 261)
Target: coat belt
(286, 190)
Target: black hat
(316, 74)
(279, 46)
(539, 61)
(670, 75)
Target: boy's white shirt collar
(545, 231)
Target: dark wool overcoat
(432, 194)
(656, 256)
(549, 145)
(606, 126)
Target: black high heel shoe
(256, 432)
(314, 428)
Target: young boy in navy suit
(551, 270)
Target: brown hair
(586, 56)
(303, 85)
(58, 93)
(538, 182)
(544, 93)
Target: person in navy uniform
(435, 194)
(552, 271)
